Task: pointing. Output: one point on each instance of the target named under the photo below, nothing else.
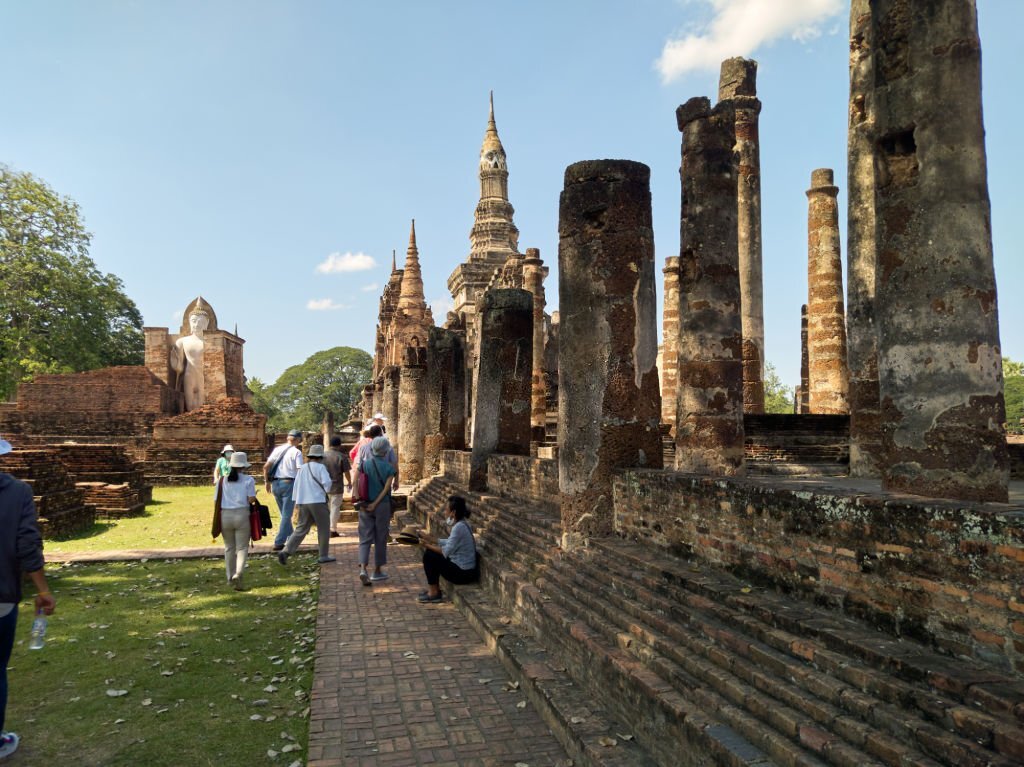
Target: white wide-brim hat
(226, 448)
(5, 447)
(379, 417)
(239, 460)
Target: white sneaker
(8, 744)
(379, 577)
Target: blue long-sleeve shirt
(459, 546)
(21, 545)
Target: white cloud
(178, 316)
(440, 307)
(370, 288)
(739, 27)
(346, 262)
(324, 305)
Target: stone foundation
(185, 448)
(60, 505)
(531, 480)
(113, 483)
(945, 573)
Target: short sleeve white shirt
(236, 494)
(306, 489)
(289, 464)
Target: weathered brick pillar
(709, 420)
(939, 364)
(389, 402)
(367, 404)
(738, 83)
(158, 353)
(861, 254)
(534, 273)
(609, 405)
(327, 428)
(803, 397)
(670, 339)
(412, 404)
(446, 391)
(826, 321)
(504, 376)
(378, 397)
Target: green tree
(778, 398)
(328, 380)
(1013, 393)
(58, 312)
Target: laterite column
(412, 403)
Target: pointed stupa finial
(412, 236)
(411, 294)
(492, 153)
(394, 263)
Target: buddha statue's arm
(177, 359)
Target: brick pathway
(400, 684)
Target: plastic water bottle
(38, 632)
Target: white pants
(335, 500)
(234, 524)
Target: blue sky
(229, 148)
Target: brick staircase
(698, 667)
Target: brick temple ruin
(118, 431)
(649, 567)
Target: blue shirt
(377, 471)
(459, 546)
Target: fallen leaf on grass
(604, 740)
(624, 737)
(485, 681)
(521, 704)
(578, 719)
(116, 693)
(147, 701)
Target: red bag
(362, 491)
(255, 529)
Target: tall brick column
(803, 403)
(446, 391)
(534, 273)
(609, 404)
(389, 402)
(504, 376)
(738, 83)
(939, 365)
(378, 397)
(412, 404)
(826, 321)
(366, 408)
(861, 254)
(709, 420)
(670, 339)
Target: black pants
(435, 565)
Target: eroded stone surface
(738, 84)
(940, 371)
(446, 396)
(709, 420)
(412, 401)
(609, 404)
(504, 379)
(826, 321)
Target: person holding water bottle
(21, 552)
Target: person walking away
(236, 490)
(453, 558)
(364, 439)
(279, 473)
(337, 464)
(375, 513)
(309, 493)
(223, 467)
(21, 552)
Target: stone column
(803, 406)
(412, 404)
(445, 408)
(389, 402)
(609, 405)
(327, 428)
(378, 398)
(939, 364)
(367, 403)
(504, 375)
(670, 338)
(738, 83)
(861, 255)
(534, 273)
(709, 414)
(826, 321)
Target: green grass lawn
(160, 663)
(178, 517)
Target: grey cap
(295, 433)
(315, 451)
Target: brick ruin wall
(61, 506)
(531, 480)
(455, 465)
(944, 573)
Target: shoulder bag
(215, 527)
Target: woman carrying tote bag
(235, 492)
(375, 513)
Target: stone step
(759, 468)
(792, 695)
(837, 658)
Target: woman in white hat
(236, 491)
(222, 469)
